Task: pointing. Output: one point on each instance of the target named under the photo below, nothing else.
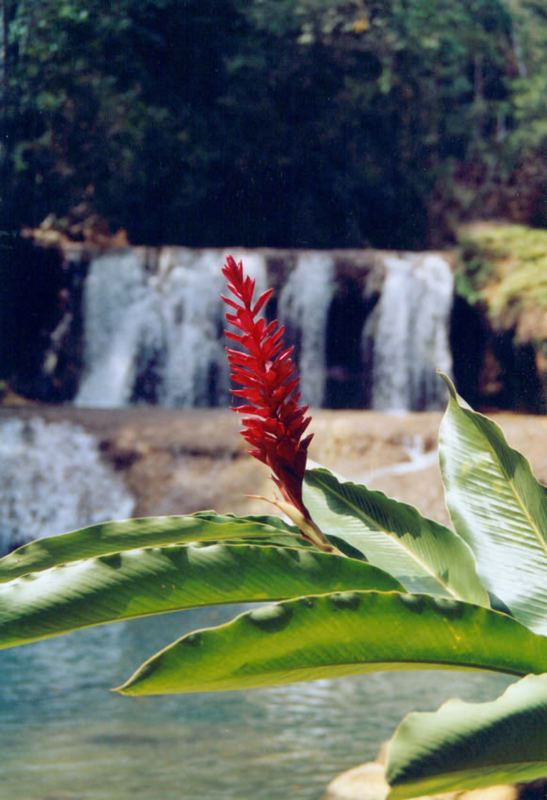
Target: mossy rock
(504, 269)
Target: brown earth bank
(178, 462)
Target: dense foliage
(501, 310)
(301, 122)
(504, 268)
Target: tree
(302, 122)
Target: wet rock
(177, 462)
(368, 782)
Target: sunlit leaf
(152, 580)
(422, 554)
(339, 634)
(499, 508)
(115, 537)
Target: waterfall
(303, 307)
(187, 295)
(121, 318)
(154, 332)
(410, 333)
(153, 325)
(52, 480)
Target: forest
(301, 123)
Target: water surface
(64, 736)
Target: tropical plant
(364, 582)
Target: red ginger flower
(267, 377)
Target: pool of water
(64, 736)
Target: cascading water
(409, 328)
(52, 480)
(195, 372)
(153, 325)
(187, 302)
(121, 319)
(303, 308)
(154, 332)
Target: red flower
(265, 371)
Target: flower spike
(275, 420)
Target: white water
(52, 481)
(164, 320)
(410, 331)
(153, 327)
(120, 319)
(303, 307)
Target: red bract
(265, 371)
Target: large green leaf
(472, 745)
(114, 537)
(153, 580)
(341, 634)
(499, 508)
(422, 554)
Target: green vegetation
(504, 268)
(470, 738)
(260, 122)
(410, 594)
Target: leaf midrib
(393, 536)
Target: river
(64, 736)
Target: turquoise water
(63, 736)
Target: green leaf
(114, 537)
(154, 580)
(472, 745)
(499, 508)
(422, 554)
(339, 634)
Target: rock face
(183, 461)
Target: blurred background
(302, 124)
(280, 123)
(383, 165)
